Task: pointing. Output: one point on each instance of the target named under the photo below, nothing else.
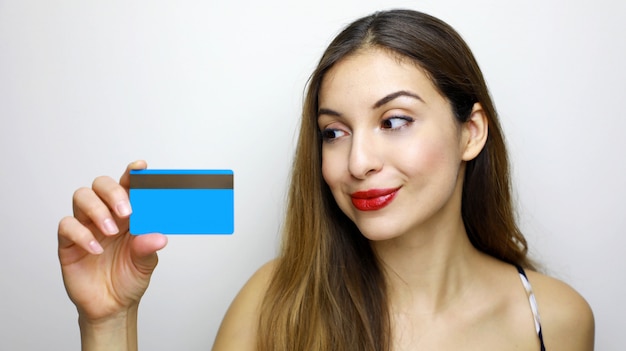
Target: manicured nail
(110, 227)
(123, 208)
(95, 247)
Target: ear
(474, 133)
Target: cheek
(334, 172)
(428, 157)
(329, 168)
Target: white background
(88, 86)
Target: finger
(89, 208)
(113, 195)
(143, 250)
(135, 165)
(71, 232)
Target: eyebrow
(395, 95)
(379, 103)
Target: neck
(428, 271)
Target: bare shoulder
(238, 330)
(566, 318)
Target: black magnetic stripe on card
(181, 181)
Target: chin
(378, 232)
(374, 225)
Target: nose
(365, 158)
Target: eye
(395, 122)
(330, 134)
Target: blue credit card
(182, 201)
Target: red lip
(373, 199)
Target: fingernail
(123, 209)
(95, 247)
(110, 227)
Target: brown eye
(331, 134)
(395, 122)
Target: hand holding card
(182, 201)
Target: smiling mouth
(373, 199)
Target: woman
(400, 232)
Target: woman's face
(392, 152)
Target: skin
(443, 293)
(105, 269)
(410, 142)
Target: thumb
(143, 251)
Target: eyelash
(325, 134)
(407, 120)
(329, 134)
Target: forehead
(372, 73)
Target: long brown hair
(328, 291)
